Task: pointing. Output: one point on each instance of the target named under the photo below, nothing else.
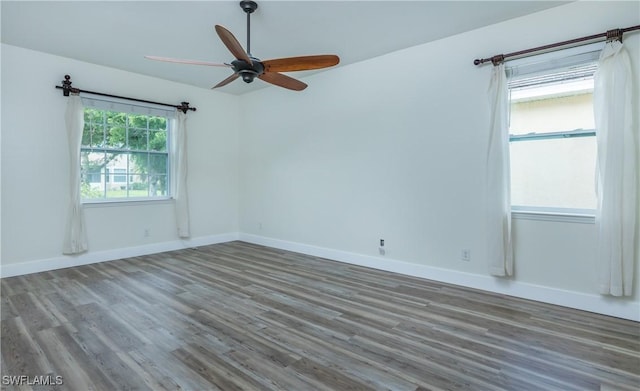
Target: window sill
(125, 202)
(580, 218)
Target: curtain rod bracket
(497, 59)
(66, 86)
(184, 107)
(614, 35)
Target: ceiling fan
(248, 67)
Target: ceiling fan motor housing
(247, 71)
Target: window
(552, 138)
(92, 176)
(121, 142)
(119, 174)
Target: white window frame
(540, 65)
(130, 107)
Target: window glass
(124, 156)
(553, 146)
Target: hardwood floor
(238, 316)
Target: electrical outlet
(382, 251)
(381, 242)
(147, 232)
(465, 254)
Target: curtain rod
(615, 34)
(66, 89)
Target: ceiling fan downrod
(248, 6)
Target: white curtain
(75, 239)
(180, 192)
(617, 193)
(498, 178)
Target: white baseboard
(63, 261)
(618, 307)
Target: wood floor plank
(107, 360)
(309, 342)
(327, 375)
(21, 353)
(7, 310)
(269, 373)
(78, 371)
(116, 332)
(239, 316)
(168, 369)
(220, 378)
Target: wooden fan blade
(283, 81)
(302, 63)
(232, 44)
(226, 81)
(191, 62)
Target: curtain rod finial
(496, 60)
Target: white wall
(394, 148)
(35, 162)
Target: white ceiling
(118, 34)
